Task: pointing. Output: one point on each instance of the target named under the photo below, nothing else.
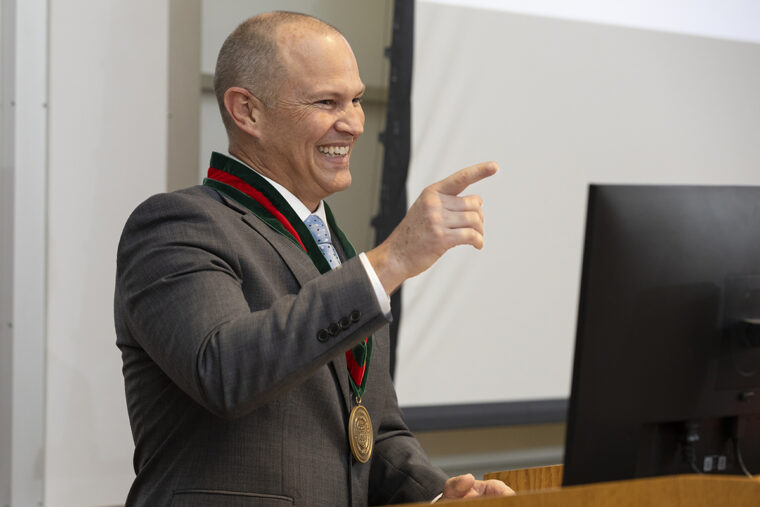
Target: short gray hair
(250, 57)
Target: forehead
(317, 57)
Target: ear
(244, 109)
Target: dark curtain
(397, 142)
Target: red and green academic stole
(255, 193)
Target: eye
(326, 102)
(358, 100)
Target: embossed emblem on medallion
(360, 434)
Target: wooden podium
(541, 487)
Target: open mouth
(334, 151)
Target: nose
(351, 121)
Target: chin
(342, 177)
(345, 180)
(340, 183)
(342, 186)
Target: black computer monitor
(666, 376)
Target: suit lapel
(303, 270)
(293, 256)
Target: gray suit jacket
(232, 398)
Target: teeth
(333, 151)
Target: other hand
(466, 486)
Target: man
(254, 342)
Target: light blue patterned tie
(321, 235)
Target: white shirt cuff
(382, 298)
(440, 495)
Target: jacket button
(333, 329)
(323, 335)
(345, 323)
(356, 316)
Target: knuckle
(438, 234)
(429, 201)
(474, 220)
(472, 202)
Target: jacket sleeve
(180, 296)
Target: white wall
(107, 152)
(6, 268)
(24, 156)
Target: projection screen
(558, 104)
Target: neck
(249, 158)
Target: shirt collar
(300, 208)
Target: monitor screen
(666, 374)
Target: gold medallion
(360, 433)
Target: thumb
(457, 487)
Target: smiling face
(307, 135)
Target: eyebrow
(333, 93)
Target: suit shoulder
(194, 219)
(190, 205)
(187, 199)
(192, 211)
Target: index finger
(457, 182)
